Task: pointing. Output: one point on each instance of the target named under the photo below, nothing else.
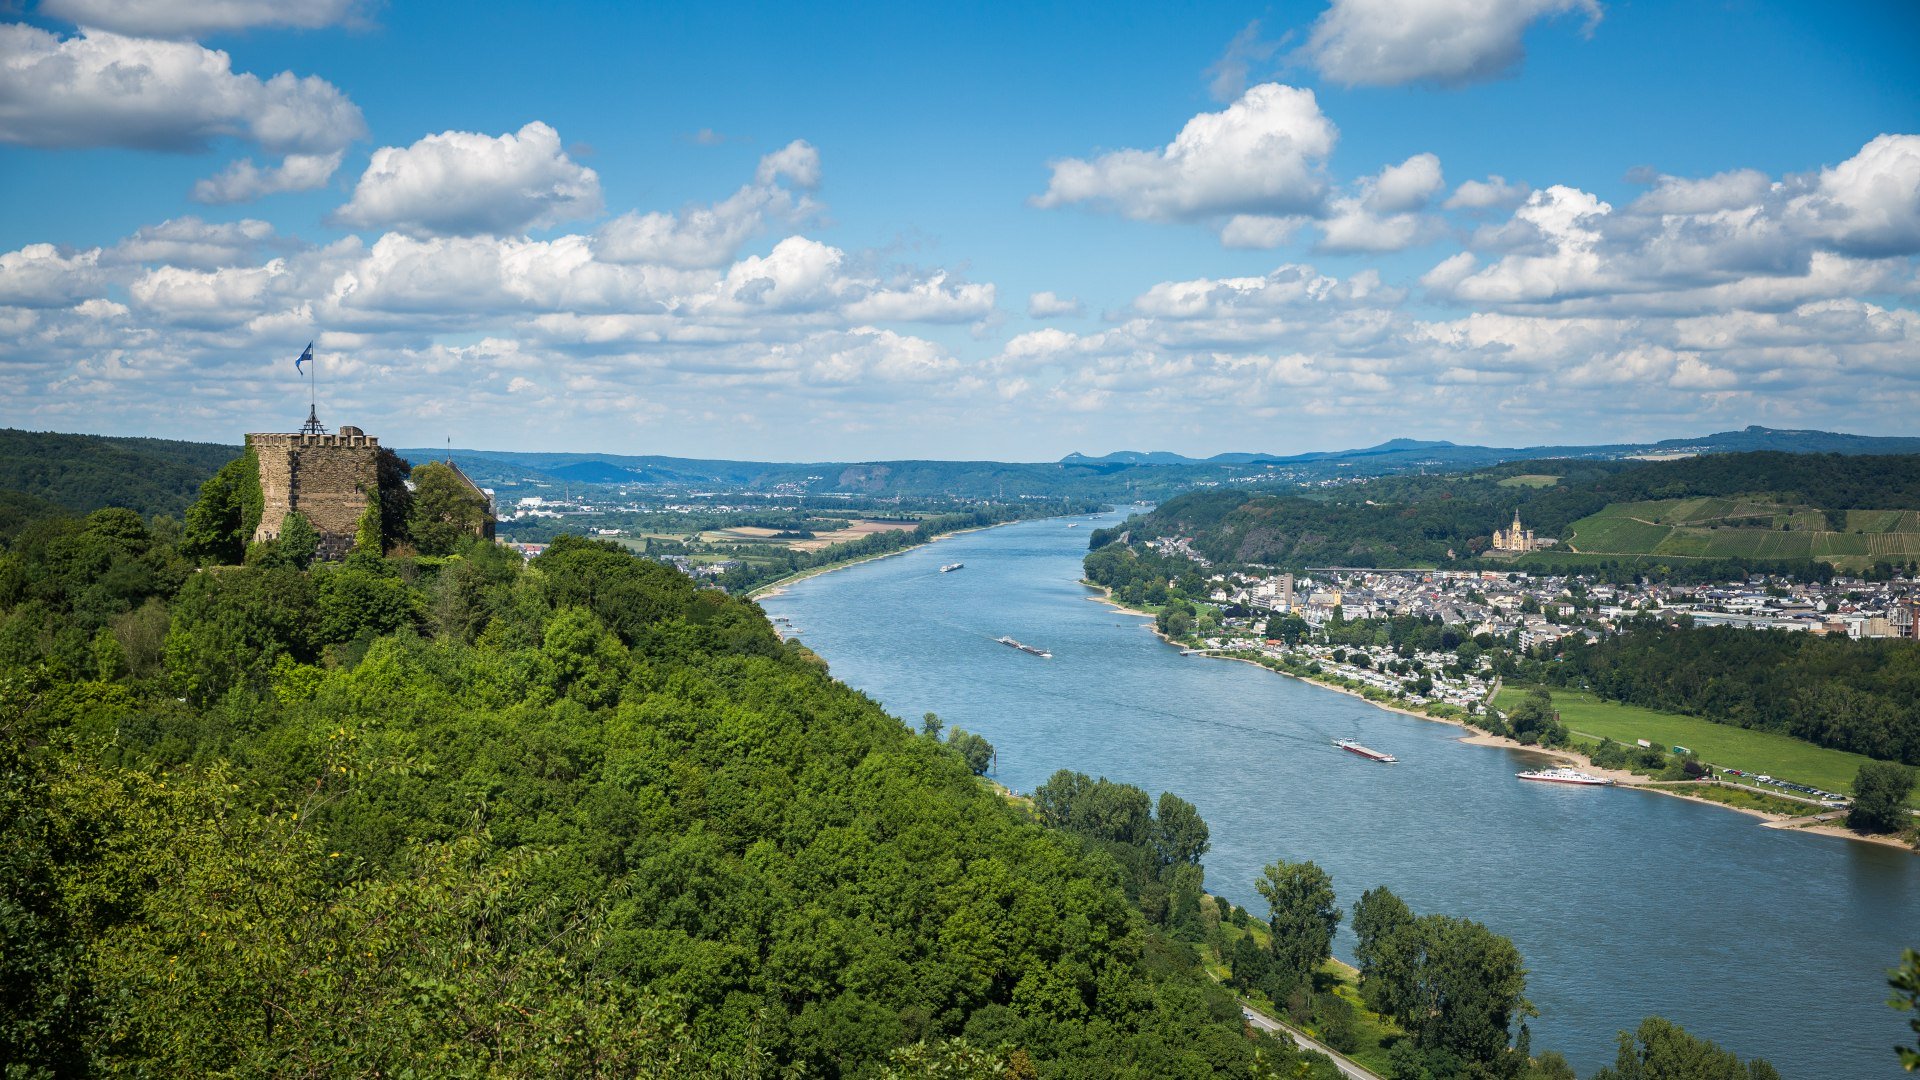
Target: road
(1347, 1066)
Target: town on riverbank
(1447, 646)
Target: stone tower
(332, 479)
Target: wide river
(1624, 903)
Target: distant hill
(1746, 439)
(82, 473)
(1850, 511)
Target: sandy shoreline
(1559, 756)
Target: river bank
(1559, 756)
(775, 588)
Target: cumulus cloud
(704, 236)
(1486, 194)
(932, 300)
(1736, 238)
(40, 275)
(1263, 154)
(1384, 212)
(460, 183)
(1051, 305)
(243, 181)
(196, 18)
(1406, 186)
(1868, 205)
(1446, 42)
(103, 89)
(189, 241)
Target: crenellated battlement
(349, 438)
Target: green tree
(1662, 1050)
(1533, 720)
(1905, 981)
(1389, 949)
(1880, 792)
(974, 749)
(445, 510)
(221, 521)
(1180, 837)
(1302, 915)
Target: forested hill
(1418, 520)
(82, 473)
(453, 816)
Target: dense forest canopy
(575, 817)
(82, 473)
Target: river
(1623, 903)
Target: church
(1518, 539)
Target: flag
(304, 357)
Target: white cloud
(1406, 186)
(243, 181)
(705, 236)
(1447, 42)
(195, 18)
(1869, 204)
(191, 242)
(1383, 215)
(1050, 305)
(102, 89)
(1735, 239)
(1726, 191)
(797, 162)
(1486, 194)
(461, 183)
(38, 275)
(1259, 231)
(931, 300)
(1261, 155)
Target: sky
(1007, 231)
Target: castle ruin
(332, 479)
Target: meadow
(1722, 745)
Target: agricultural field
(1719, 744)
(1530, 480)
(849, 529)
(1748, 528)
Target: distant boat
(1072, 525)
(1565, 775)
(952, 566)
(1353, 747)
(1025, 648)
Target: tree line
(1862, 696)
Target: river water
(1623, 903)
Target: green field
(1747, 528)
(1720, 744)
(1531, 480)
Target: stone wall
(329, 478)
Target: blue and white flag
(304, 357)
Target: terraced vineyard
(1748, 528)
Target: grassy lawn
(1721, 744)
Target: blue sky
(873, 232)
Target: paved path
(1349, 1068)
